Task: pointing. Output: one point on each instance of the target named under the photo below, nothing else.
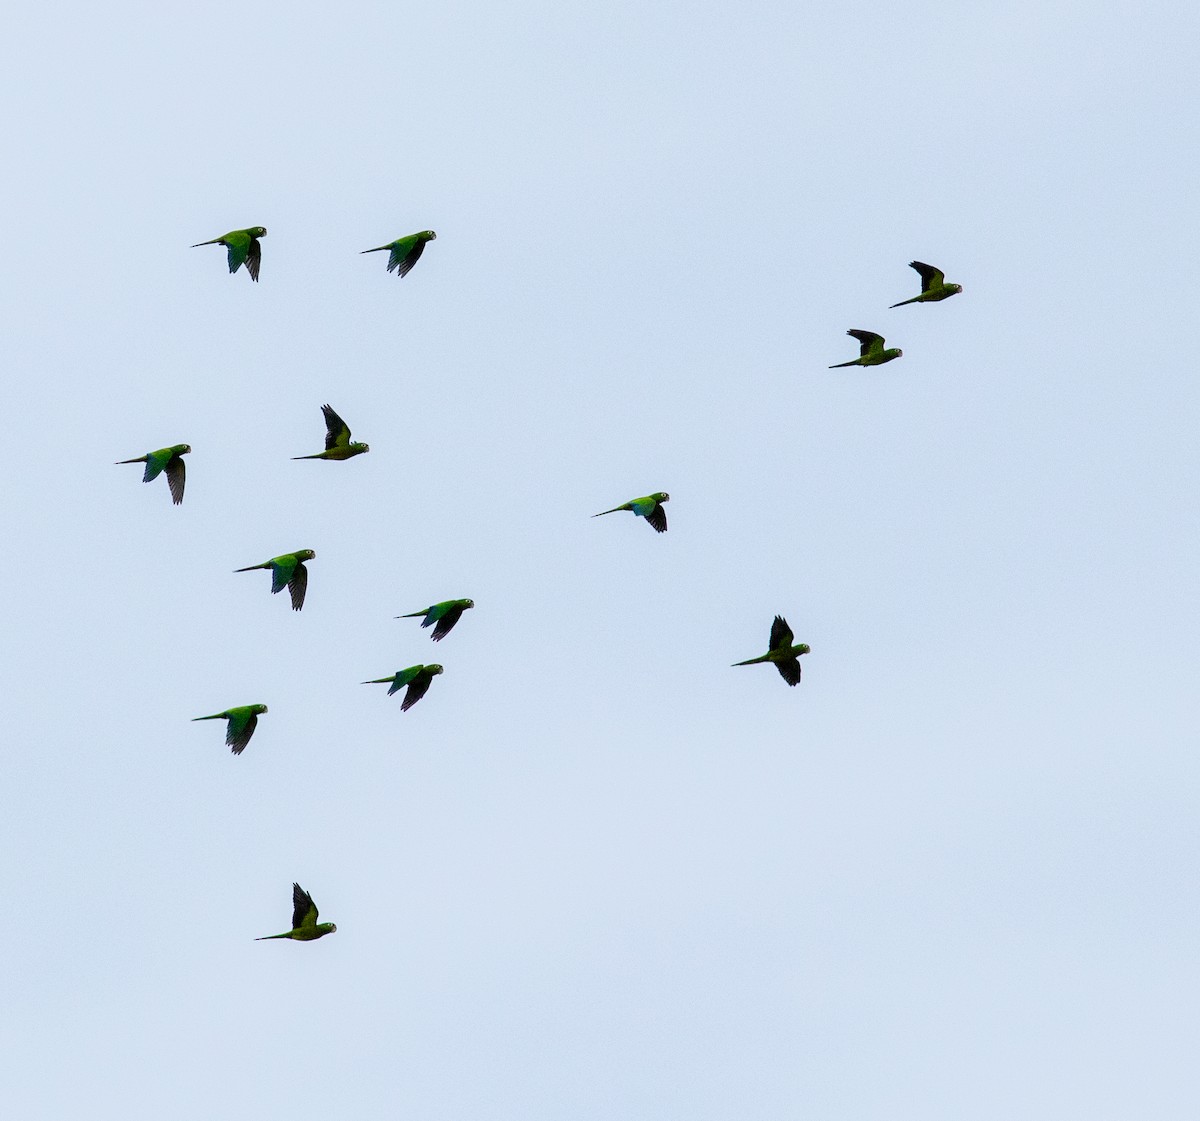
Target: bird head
(429, 235)
(468, 603)
(182, 449)
(662, 496)
(332, 927)
(803, 648)
(433, 670)
(258, 231)
(305, 554)
(258, 710)
(359, 447)
(956, 288)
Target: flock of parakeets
(288, 570)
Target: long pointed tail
(308, 457)
(215, 241)
(412, 615)
(377, 249)
(215, 716)
(614, 510)
(753, 661)
(914, 300)
(379, 680)
(839, 365)
(252, 567)
(140, 459)
(268, 937)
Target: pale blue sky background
(597, 873)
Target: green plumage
(870, 352)
(243, 247)
(337, 439)
(417, 678)
(169, 460)
(444, 614)
(785, 656)
(404, 251)
(242, 721)
(305, 927)
(933, 285)
(287, 571)
(649, 506)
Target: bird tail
(215, 241)
(308, 457)
(414, 615)
(753, 661)
(378, 680)
(839, 365)
(215, 716)
(268, 937)
(140, 459)
(614, 510)
(252, 567)
(914, 300)
(377, 249)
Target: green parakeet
(242, 722)
(445, 614)
(650, 507)
(785, 656)
(305, 927)
(168, 460)
(417, 678)
(405, 251)
(287, 571)
(243, 247)
(933, 285)
(337, 439)
(871, 353)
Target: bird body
(243, 247)
(404, 251)
(445, 614)
(242, 721)
(649, 506)
(337, 439)
(785, 656)
(305, 927)
(417, 678)
(287, 571)
(933, 285)
(169, 460)
(871, 352)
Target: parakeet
(417, 678)
(337, 439)
(445, 614)
(871, 353)
(242, 722)
(650, 507)
(785, 656)
(169, 460)
(243, 248)
(405, 251)
(305, 927)
(287, 571)
(933, 285)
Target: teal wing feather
(155, 462)
(239, 249)
(282, 569)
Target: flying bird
(405, 251)
(933, 285)
(417, 678)
(243, 247)
(781, 651)
(445, 614)
(650, 507)
(242, 721)
(168, 460)
(337, 439)
(287, 571)
(305, 927)
(871, 353)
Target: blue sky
(597, 873)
